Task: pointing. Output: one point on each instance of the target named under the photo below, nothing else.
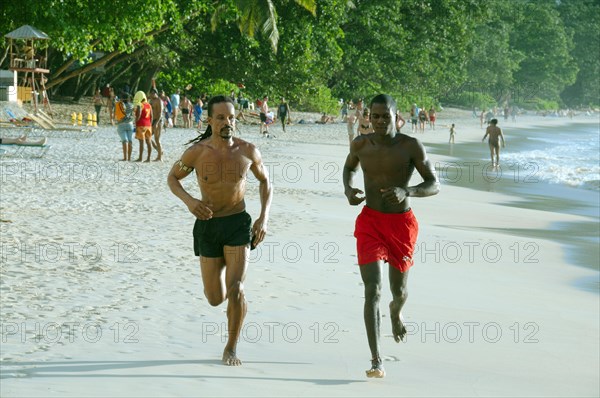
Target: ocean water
(568, 155)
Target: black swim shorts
(211, 235)
(263, 117)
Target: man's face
(382, 119)
(222, 121)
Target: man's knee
(235, 292)
(214, 298)
(399, 292)
(372, 292)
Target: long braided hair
(214, 100)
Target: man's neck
(220, 142)
(386, 138)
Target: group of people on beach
(143, 117)
(181, 104)
(420, 116)
(147, 116)
(174, 106)
(386, 229)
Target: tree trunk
(85, 86)
(54, 79)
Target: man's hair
(386, 100)
(153, 91)
(494, 121)
(217, 99)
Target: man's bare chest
(222, 169)
(378, 159)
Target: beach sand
(101, 294)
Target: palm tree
(259, 14)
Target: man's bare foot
(398, 329)
(377, 371)
(147, 160)
(158, 160)
(230, 358)
(138, 160)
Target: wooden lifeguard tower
(30, 64)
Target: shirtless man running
(494, 132)
(386, 229)
(223, 232)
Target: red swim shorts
(386, 236)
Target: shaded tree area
(314, 52)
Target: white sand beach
(101, 295)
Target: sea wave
(560, 165)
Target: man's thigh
(236, 260)
(212, 270)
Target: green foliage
(470, 99)
(540, 34)
(318, 99)
(582, 19)
(219, 86)
(541, 105)
(466, 52)
(492, 60)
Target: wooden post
(33, 92)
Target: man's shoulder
(359, 142)
(405, 138)
(243, 144)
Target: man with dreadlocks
(223, 232)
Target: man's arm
(430, 185)
(350, 169)
(259, 229)
(486, 134)
(181, 169)
(502, 137)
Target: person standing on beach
(495, 135)
(414, 117)
(143, 123)
(423, 117)
(157, 121)
(98, 101)
(283, 113)
(452, 134)
(364, 123)
(386, 229)
(186, 111)
(198, 113)
(264, 109)
(481, 118)
(168, 109)
(124, 118)
(110, 105)
(344, 110)
(432, 116)
(223, 232)
(175, 99)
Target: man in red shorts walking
(386, 229)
